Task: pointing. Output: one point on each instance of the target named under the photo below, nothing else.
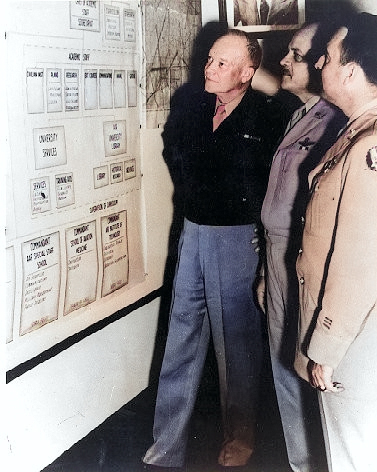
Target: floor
(118, 444)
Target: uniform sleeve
(350, 292)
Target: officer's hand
(261, 293)
(320, 376)
(255, 240)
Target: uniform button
(302, 280)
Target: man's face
(295, 69)
(333, 72)
(228, 68)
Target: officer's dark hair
(360, 43)
(325, 31)
(253, 47)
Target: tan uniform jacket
(337, 268)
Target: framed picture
(255, 15)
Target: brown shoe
(235, 453)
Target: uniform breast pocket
(321, 211)
(291, 179)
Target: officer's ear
(352, 71)
(247, 74)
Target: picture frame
(245, 14)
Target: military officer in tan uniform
(337, 268)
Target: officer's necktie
(296, 117)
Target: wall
(69, 374)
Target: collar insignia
(351, 133)
(372, 158)
(306, 144)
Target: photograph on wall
(82, 266)
(41, 282)
(257, 15)
(114, 252)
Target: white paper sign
(132, 88)
(90, 89)
(114, 252)
(106, 89)
(115, 138)
(130, 169)
(112, 22)
(35, 90)
(64, 190)
(119, 89)
(71, 89)
(41, 282)
(49, 147)
(54, 90)
(101, 176)
(129, 25)
(116, 172)
(85, 15)
(82, 266)
(40, 195)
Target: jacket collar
(353, 131)
(309, 121)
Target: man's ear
(351, 72)
(247, 74)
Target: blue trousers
(297, 400)
(212, 295)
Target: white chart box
(130, 169)
(35, 90)
(116, 172)
(71, 89)
(40, 195)
(101, 176)
(129, 17)
(82, 266)
(49, 147)
(85, 15)
(54, 90)
(90, 89)
(114, 252)
(41, 282)
(65, 194)
(115, 137)
(112, 22)
(119, 85)
(132, 88)
(106, 89)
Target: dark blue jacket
(222, 175)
